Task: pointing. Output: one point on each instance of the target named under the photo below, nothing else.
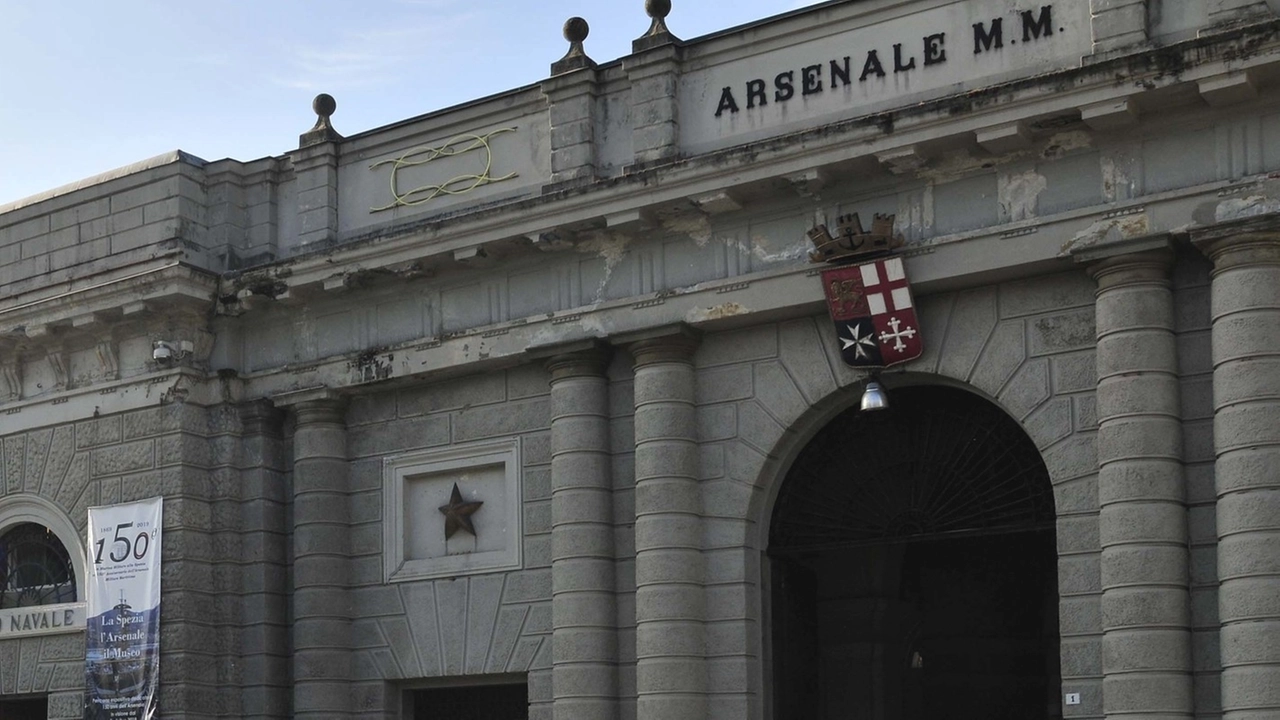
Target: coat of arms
(870, 303)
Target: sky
(87, 86)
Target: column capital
(589, 361)
(1137, 268)
(673, 343)
(1254, 241)
(314, 406)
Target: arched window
(41, 553)
(35, 568)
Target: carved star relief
(457, 514)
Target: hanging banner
(122, 638)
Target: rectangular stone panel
(1070, 183)
(453, 511)
(1180, 160)
(688, 262)
(966, 204)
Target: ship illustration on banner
(870, 302)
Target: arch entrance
(913, 567)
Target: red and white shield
(873, 312)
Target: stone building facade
(535, 400)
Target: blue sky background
(87, 86)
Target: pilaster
(315, 167)
(1246, 396)
(1236, 12)
(571, 94)
(264, 692)
(671, 675)
(654, 71)
(10, 372)
(1146, 609)
(584, 609)
(1118, 24)
(322, 666)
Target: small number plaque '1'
(1073, 698)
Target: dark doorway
(29, 709)
(914, 568)
(477, 702)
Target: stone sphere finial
(322, 131)
(576, 30)
(657, 9)
(658, 34)
(324, 105)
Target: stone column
(321, 539)
(1246, 430)
(1146, 607)
(671, 679)
(584, 614)
(265, 605)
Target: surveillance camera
(166, 352)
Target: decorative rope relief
(460, 185)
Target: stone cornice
(163, 288)
(135, 393)
(320, 395)
(960, 117)
(1044, 245)
(159, 301)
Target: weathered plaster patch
(1063, 143)
(306, 338)
(612, 248)
(594, 325)
(1237, 208)
(1118, 182)
(176, 393)
(959, 163)
(372, 365)
(1109, 230)
(701, 314)
(761, 253)
(696, 225)
(915, 213)
(1020, 193)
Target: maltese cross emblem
(874, 315)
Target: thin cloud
(376, 56)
